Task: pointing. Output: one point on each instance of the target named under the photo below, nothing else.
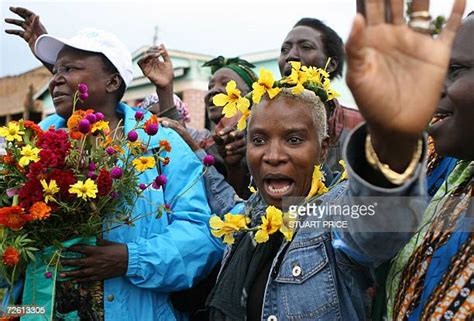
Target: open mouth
(278, 186)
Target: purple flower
(138, 115)
(110, 150)
(142, 186)
(84, 126)
(83, 88)
(132, 136)
(92, 167)
(160, 181)
(99, 116)
(209, 160)
(83, 96)
(151, 129)
(114, 195)
(168, 207)
(92, 175)
(48, 275)
(91, 118)
(116, 172)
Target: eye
(258, 140)
(294, 140)
(285, 49)
(454, 70)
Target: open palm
(396, 74)
(159, 72)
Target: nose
(275, 154)
(444, 90)
(293, 54)
(58, 78)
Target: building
(17, 95)
(190, 84)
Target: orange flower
(166, 145)
(11, 257)
(73, 123)
(152, 120)
(8, 159)
(13, 217)
(40, 211)
(36, 129)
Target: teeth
(279, 190)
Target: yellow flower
(264, 85)
(243, 120)
(252, 189)
(287, 226)
(315, 75)
(12, 132)
(143, 163)
(344, 170)
(317, 184)
(271, 223)
(232, 102)
(100, 125)
(137, 148)
(29, 154)
(49, 190)
(330, 92)
(84, 189)
(297, 78)
(232, 223)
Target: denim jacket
(323, 274)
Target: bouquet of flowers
(61, 184)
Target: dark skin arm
(31, 29)
(157, 67)
(105, 261)
(384, 60)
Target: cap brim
(48, 47)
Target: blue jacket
(166, 254)
(323, 274)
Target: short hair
(111, 69)
(318, 109)
(333, 44)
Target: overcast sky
(211, 27)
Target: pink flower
(151, 129)
(159, 181)
(83, 96)
(99, 116)
(142, 186)
(83, 88)
(138, 115)
(84, 126)
(110, 150)
(132, 136)
(209, 160)
(116, 172)
(91, 118)
(48, 275)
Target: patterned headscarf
(242, 67)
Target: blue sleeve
(220, 194)
(373, 240)
(185, 251)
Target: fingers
(356, 41)
(81, 275)
(16, 22)
(397, 12)
(22, 12)
(375, 12)
(164, 53)
(420, 5)
(455, 19)
(80, 248)
(20, 33)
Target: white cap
(48, 47)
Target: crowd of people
(411, 139)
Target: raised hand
(159, 72)
(396, 74)
(31, 27)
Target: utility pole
(155, 36)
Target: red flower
(13, 217)
(11, 257)
(166, 145)
(31, 125)
(64, 179)
(30, 193)
(104, 182)
(54, 146)
(166, 161)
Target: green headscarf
(242, 67)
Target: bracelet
(392, 176)
(420, 14)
